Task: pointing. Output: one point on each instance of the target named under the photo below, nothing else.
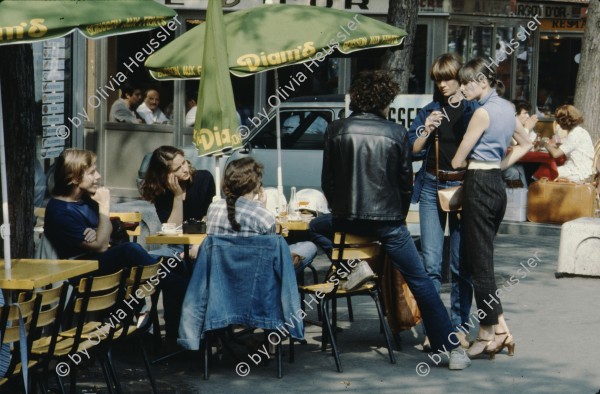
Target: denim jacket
(241, 280)
(469, 107)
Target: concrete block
(579, 251)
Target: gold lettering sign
(34, 29)
(253, 61)
(216, 140)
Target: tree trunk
(587, 94)
(403, 14)
(20, 123)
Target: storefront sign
(360, 6)
(53, 87)
(53, 109)
(405, 107)
(57, 119)
(549, 11)
(54, 64)
(563, 24)
(51, 142)
(53, 97)
(54, 75)
(50, 153)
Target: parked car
(303, 121)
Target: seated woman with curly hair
(577, 147)
(242, 213)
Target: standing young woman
(485, 145)
(178, 191)
(449, 117)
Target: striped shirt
(252, 216)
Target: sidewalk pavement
(555, 323)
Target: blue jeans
(400, 247)
(483, 209)
(308, 250)
(320, 231)
(126, 255)
(433, 223)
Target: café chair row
(56, 333)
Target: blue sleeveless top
(496, 138)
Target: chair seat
(327, 288)
(88, 329)
(63, 347)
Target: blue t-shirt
(65, 223)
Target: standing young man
(367, 179)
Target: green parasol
(271, 36)
(216, 127)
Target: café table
(28, 274)
(177, 239)
(548, 165)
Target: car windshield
(300, 129)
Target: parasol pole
(346, 105)
(5, 229)
(278, 132)
(217, 178)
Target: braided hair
(241, 177)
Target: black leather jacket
(367, 168)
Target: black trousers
(483, 209)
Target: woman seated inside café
(243, 213)
(577, 147)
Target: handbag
(450, 198)
(400, 305)
(559, 201)
(119, 234)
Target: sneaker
(458, 359)
(360, 275)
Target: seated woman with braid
(242, 213)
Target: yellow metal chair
(348, 248)
(16, 323)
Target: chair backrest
(11, 330)
(350, 246)
(98, 294)
(50, 315)
(130, 217)
(142, 282)
(52, 303)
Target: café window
(125, 66)
(503, 47)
